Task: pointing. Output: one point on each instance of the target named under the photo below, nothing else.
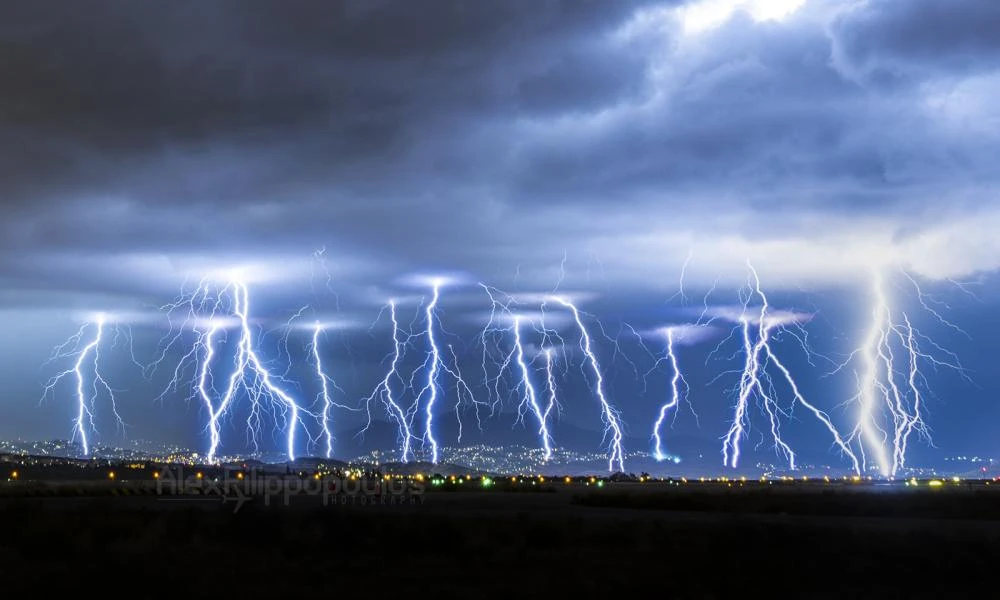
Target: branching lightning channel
(87, 356)
(889, 398)
(325, 395)
(433, 365)
(384, 389)
(431, 388)
(550, 384)
(612, 421)
(223, 307)
(529, 398)
(260, 386)
(678, 389)
(504, 324)
(490, 338)
(755, 382)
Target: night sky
(332, 151)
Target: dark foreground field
(572, 541)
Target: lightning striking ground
(89, 352)
(889, 397)
(258, 388)
(529, 399)
(432, 372)
(211, 311)
(325, 384)
(757, 333)
(610, 416)
(678, 388)
(504, 324)
(433, 365)
(384, 390)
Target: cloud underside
(493, 138)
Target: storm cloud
(516, 131)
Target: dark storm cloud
(919, 35)
(581, 81)
(755, 110)
(119, 78)
(398, 132)
(251, 116)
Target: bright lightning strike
(434, 365)
(254, 378)
(385, 393)
(431, 387)
(755, 382)
(612, 422)
(889, 395)
(515, 359)
(224, 307)
(325, 383)
(530, 398)
(678, 389)
(432, 371)
(87, 356)
(325, 395)
(550, 383)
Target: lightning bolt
(258, 388)
(889, 389)
(434, 365)
(88, 353)
(677, 380)
(610, 417)
(529, 399)
(221, 306)
(515, 360)
(384, 389)
(488, 339)
(550, 384)
(432, 371)
(755, 381)
(325, 384)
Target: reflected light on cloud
(705, 15)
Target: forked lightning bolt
(88, 354)
(325, 395)
(433, 366)
(384, 390)
(529, 399)
(889, 398)
(678, 389)
(250, 375)
(755, 382)
(550, 383)
(515, 359)
(431, 388)
(612, 421)
(214, 309)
